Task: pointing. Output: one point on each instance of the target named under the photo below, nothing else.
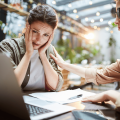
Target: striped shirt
(15, 50)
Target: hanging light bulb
(98, 13)
(107, 29)
(75, 11)
(92, 21)
(54, 2)
(109, 22)
(69, 5)
(95, 27)
(111, 32)
(101, 20)
(98, 28)
(89, 36)
(90, 2)
(77, 16)
(86, 19)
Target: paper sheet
(63, 96)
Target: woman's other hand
(28, 40)
(57, 58)
(43, 49)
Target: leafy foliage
(77, 54)
(9, 32)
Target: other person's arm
(109, 74)
(70, 67)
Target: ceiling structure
(90, 13)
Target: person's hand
(104, 96)
(28, 40)
(43, 48)
(96, 98)
(57, 58)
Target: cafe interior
(86, 36)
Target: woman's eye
(34, 31)
(46, 35)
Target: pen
(74, 97)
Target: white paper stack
(63, 96)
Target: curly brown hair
(43, 13)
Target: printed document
(62, 97)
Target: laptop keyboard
(34, 110)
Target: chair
(66, 80)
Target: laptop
(12, 102)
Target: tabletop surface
(109, 114)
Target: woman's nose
(39, 37)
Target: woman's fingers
(30, 36)
(53, 57)
(49, 40)
(51, 37)
(87, 99)
(27, 33)
(55, 51)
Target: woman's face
(41, 33)
(117, 21)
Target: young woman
(29, 54)
(107, 75)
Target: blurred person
(29, 54)
(109, 74)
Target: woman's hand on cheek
(28, 40)
(43, 49)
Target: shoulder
(7, 44)
(10, 42)
(14, 43)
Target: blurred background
(86, 33)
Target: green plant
(113, 25)
(65, 50)
(77, 54)
(112, 44)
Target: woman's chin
(36, 47)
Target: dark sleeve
(8, 49)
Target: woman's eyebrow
(36, 30)
(47, 33)
(39, 31)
